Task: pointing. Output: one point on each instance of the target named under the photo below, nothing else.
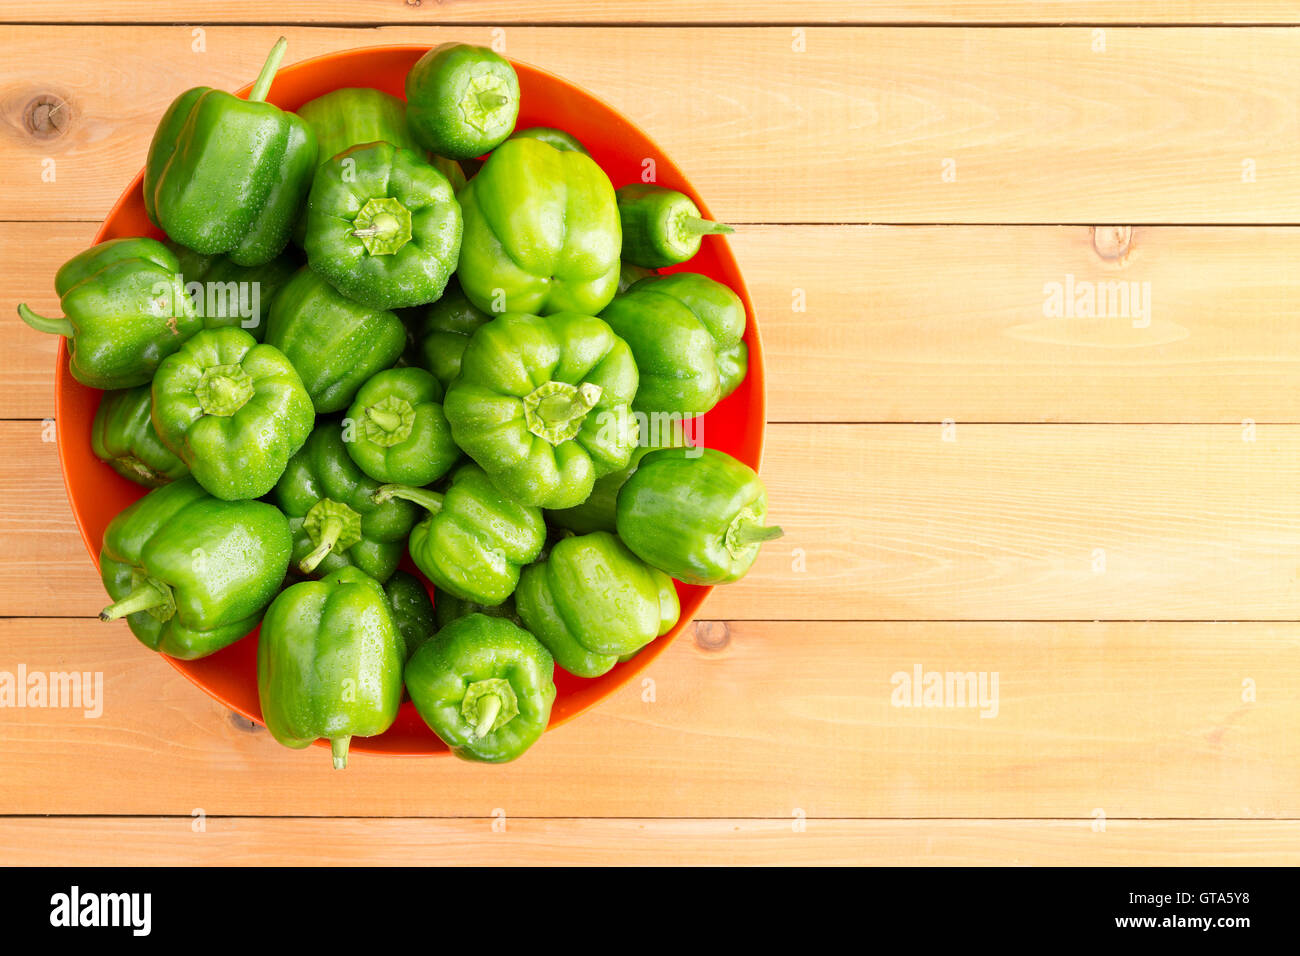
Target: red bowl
(97, 493)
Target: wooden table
(1101, 509)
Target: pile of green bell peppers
(454, 367)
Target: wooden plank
(1125, 720)
(928, 323)
(45, 568)
(36, 251)
(881, 339)
(665, 11)
(1182, 125)
(148, 841)
(892, 522)
(1078, 522)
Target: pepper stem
(263, 84)
(489, 705)
(748, 531)
(330, 530)
(749, 534)
(41, 323)
(224, 389)
(490, 101)
(429, 500)
(705, 227)
(381, 225)
(389, 421)
(144, 597)
(339, 751)
(555, 410)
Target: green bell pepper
(226, 175)
(126, 310)
(383, 226)
(686, 333)
(329, 663)
(661, 227)
(461, 100)
(484, 686)
(597, 513)
(475, 539)
(233, 410)
(453, 170)
(335, 522)
(447, 608)
(123, 436)
(696, 514)
(541, 404)
(225, 293)
(333, 342)
(541, 232)
(412, 610)
(445, 332)
(354, 115)
(592, 601)
(629, 275)
(192, 573)
(551, 137)
(396, 431)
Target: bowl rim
(757, 367)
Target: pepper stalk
(60, 326)
(431, 501)
(262, 85)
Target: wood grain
(1126, 720)
(924, 323)
(350, 842)
(36, 250)
(929, 323)
(860, 127)
(892, 522)
(1080, 522)
(669, 11)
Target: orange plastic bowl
(97, 493)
